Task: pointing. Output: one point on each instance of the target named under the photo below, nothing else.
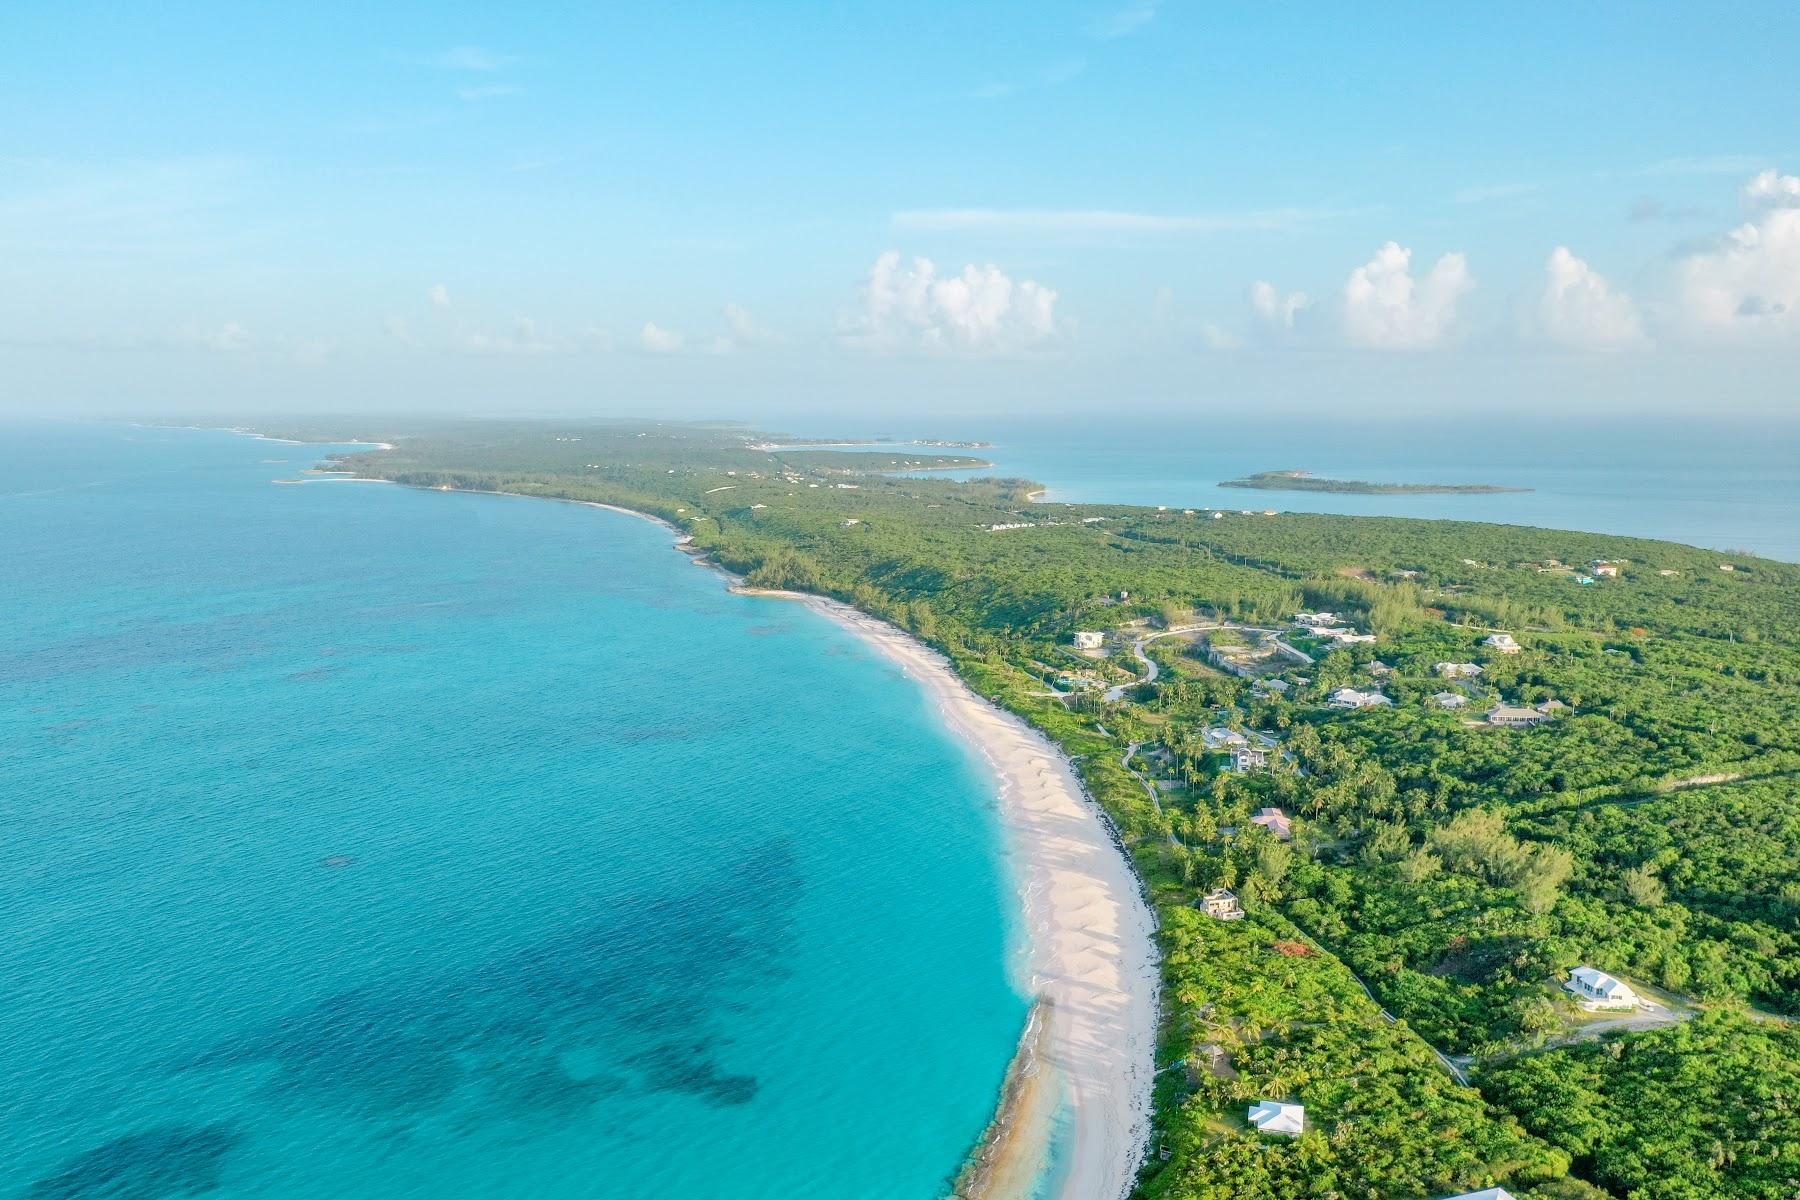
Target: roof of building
(1493, 1193)
(1276, 1116)
(1600, 983)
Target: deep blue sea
(1731, 484)
(365, 842)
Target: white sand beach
(1090, 949)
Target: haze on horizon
(899, 209)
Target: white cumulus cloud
(981, 310)
(1747, 285)
(1580, 309)
(1385, 308)
(440, 296)
(1772, 187)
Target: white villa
(1596, 989)
(1274, 1116)
(1450, 670)
(1222, 904)
(1502, 643)
(1249, 758)
(1351, 698)
(1088, 639)
(1517, 718)
(1449, 699)
(1344, 637)
(1318, 620)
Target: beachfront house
(1278, 1117)
(1222, 905)
(1596, 989)
(1276, 822)
(1249, 758)
(1506, 716)
(1502, 643)
(1088, 639)
(1351, 698)
(1450, 670)
(1449, 699)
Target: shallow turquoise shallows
(364, 842)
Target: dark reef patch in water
(637, 984)
(691, 1069)
(171, 1160)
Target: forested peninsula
(1393, 782)
(1302, 481)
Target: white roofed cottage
(1275, 1116)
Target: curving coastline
(1089, 956)
(1090, 950)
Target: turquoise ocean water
(362, 842)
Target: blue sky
(703, 208)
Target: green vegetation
(1457, 870)
(1710, 1108)
(1301, 481)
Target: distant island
(1303, 481)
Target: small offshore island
(1304, 481)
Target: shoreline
(1089, 960)
(1090, 946)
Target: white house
(1493, 1193)
(1597, 989)
(1219, 737)
(1502, 643)
(1449, 699)
(1351, 698)
(1274, 1116)
(1088, 639)
(1222, 904)
(1249, 758)
(1450, 670)
(1517, 718)
(1318, 620)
